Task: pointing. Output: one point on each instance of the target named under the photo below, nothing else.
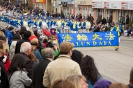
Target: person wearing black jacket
(4, 83)
(40, 68)
(25, 38)
(127, 19)
(25, 50)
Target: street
(113, 65)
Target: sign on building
(124, 5)
(97, 4)
(114, 5)
(130, 5)
(106, 5)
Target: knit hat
(103, 83)
(66, 47)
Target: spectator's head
(49, 44)
(63, 84)
(27, 34)
(66, 48)
(2, 50)
(11, 29)
(89, 69)
(118, 85)
(49, 53)
(78, 80)
(45, 40)
(34, 43)
(22, 30)
(39, 33)
(131, 77)
(25, 48)
(17, 63)
(2, 33)
(117, 23)
(41, 38)
(77, 56)
(3, 39)
(16, 37)
(103, 83)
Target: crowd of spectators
(24, 64)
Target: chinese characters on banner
(96, 39)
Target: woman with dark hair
(90, 71)
(77, 56)
(13, 45)
(18, 75)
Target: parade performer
(116, 28)
(59, 26)
(74, 27)
(79, 24)
(53, 36)
(53, 24)
(25, 23)
(83, 24)
(48, 22)
(66, 26)
(44, 24)
(88, 26)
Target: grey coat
(19, 79)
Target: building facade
(116, 8)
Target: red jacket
(6, 62)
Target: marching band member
(74, 27)
(59, 25)
(44, 24)
(25, 23)
(116, 28)
(66, 26)
(88, 26)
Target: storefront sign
(97, 4)
(106, 5)
(82, 2)
(124, 5)
(130, 5)
(114, 5)
(40, 1)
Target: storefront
(116, 8)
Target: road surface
(113, 65)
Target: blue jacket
(92, 85)
(9, 36)
(38, 55)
